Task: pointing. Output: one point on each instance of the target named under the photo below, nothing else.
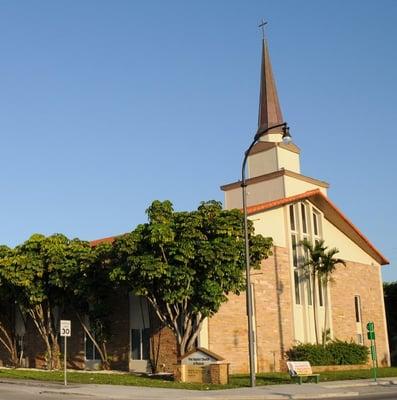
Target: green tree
(186, 263)
(8, 310)
(40, 270)
(320, 263)
(313, 254)
(91, 294)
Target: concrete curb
(324, 395)
(67, 393)
(44, 384)
(361, 384)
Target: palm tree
(325, 269)
(311, 266)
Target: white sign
(66, 328)
(200, 356)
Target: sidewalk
(292, 391)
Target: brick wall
(365, 281)
(163, 349)
(273, 310)
(163, 344)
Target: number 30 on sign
(66, 329)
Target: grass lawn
(134, 380)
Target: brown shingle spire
(269, 106)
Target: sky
(106, 106)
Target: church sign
(202, 366)
(200, 357)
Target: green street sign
(370, 326)
(371, 335)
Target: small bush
(336, 352)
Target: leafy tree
(313, 254)
(186, 263)
(91, 295)
(8, 309)
(326, 268)
(41, 270)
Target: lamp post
(251, 349)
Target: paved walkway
(291, 391)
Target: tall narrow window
(309, 291)
(357, 308)
(294, 243)
(304, 222)
(294, 250)
(297, 291)
(315, 224)
(292, 217)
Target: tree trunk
(100, 347)
(7, 339)
(325, 311)
(315, 306)
(44, 325)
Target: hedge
(335, 352)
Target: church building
(289, 207)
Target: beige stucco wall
(273, 160)
(288, 160)
(257, 193)
(262, 163)
(295, 186)
(271, 224)
(348, 250)
(203, 335)
(272, 137)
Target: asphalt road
(14, 391)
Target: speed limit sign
(66, 329)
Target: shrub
(336, 352)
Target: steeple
(269, 106)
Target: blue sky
(108, 105)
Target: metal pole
(64, 362)
(251, 337)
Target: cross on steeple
(262, 27)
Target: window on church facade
(357, 308)
(295, 249)
(315, 225)
(305, 223)
(292, 217)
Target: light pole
(251, 350)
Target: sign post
(66, 331)
(371, 337)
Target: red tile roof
(330, 210)
(109, 239)
(280, 202)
